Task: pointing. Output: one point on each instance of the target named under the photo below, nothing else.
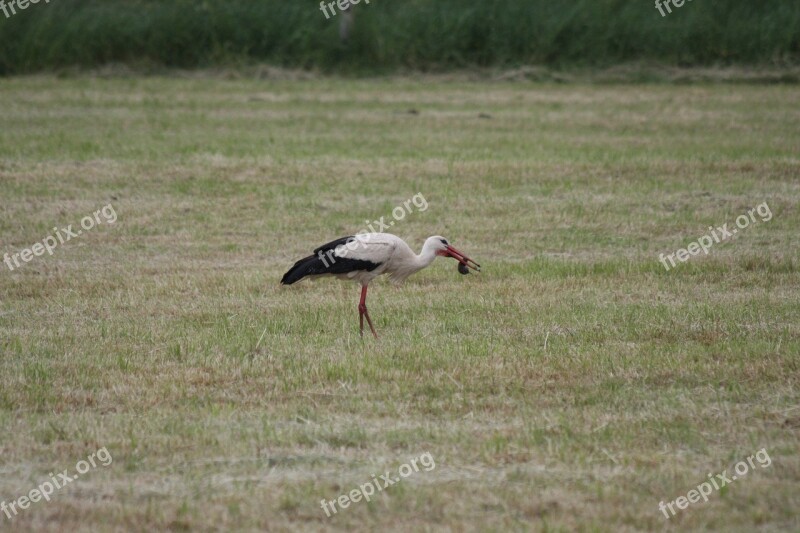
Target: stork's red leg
(362, 308)
(362, 312)
(369, 321)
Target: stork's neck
(407, 262)
(426, 257)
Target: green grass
(388, 35)
(573, 384)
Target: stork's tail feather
(317, 265)
(307, 266)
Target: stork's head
(442, 247)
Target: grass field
(573, 384)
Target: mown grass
(419, 34)
(573, 384)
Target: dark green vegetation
(416, 34)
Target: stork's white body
(366, 256)
(391, 253)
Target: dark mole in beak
(462, 268)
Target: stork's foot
(362, 312)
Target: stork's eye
(444, 242)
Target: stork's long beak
(463, 259)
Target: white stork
(366, 256)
